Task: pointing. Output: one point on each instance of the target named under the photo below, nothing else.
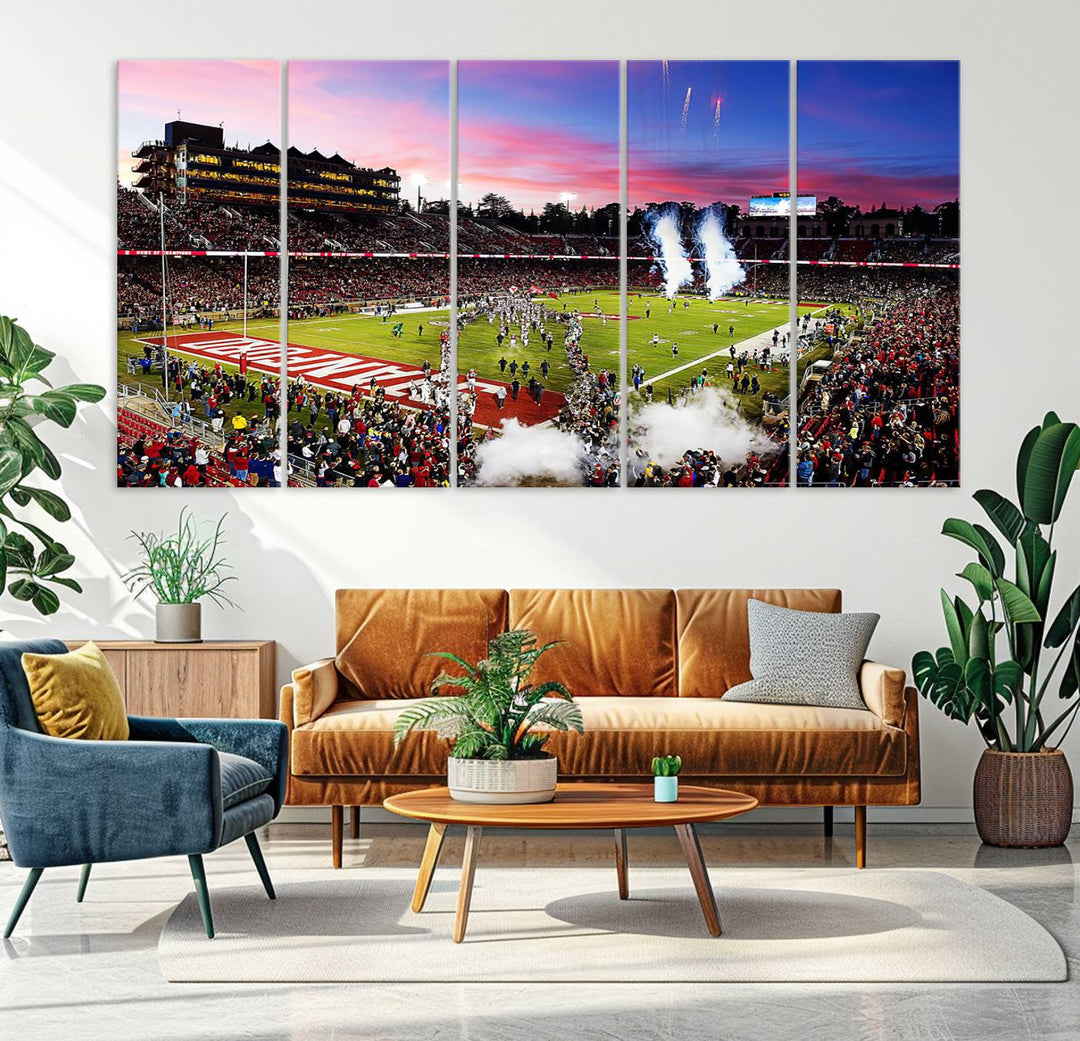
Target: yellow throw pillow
(77, 695)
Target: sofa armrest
(882, 688)
(264, 740)
(66, 801)
(314, 690)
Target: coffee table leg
(621, 863)
(692, 851)
(468, 870)
(436, 834)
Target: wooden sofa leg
(860, 836)
(828, 817)
(337, 829)
(354, 823)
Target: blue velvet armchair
(178, 786)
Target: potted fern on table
(499, 723)
(1022, 696)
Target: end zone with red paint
(338, 370)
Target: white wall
(292, 549)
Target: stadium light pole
(164, 308)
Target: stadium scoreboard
(779, 205)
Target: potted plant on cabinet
(1023, 786)
(181, 568)
(665, 770)
(498, 754)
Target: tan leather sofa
(649, 668)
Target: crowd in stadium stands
(369, 440)
(705, 469)
(886, 410)
(209, 225)
(243, 446)
(196, 225)
(477, 278)
(315, 282)
(916, 251)
(173, 458)
(196, 285)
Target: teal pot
(665, 789)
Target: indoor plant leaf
(979, 539)
(1018, 606)
(1054, 458)
(1067, 619)
(1004, 515)
(957, 632)
(980, 578)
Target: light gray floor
(90, 971)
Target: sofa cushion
(383, 636)
(619, 642)
(315, 689)
(241, 778)
(805, 657)
(714, 633)
(622, 734)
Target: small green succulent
(666, 765)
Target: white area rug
(568, 924)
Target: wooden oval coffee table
(579, 806)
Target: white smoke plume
(723, 270)
(530, 455)
(665, 230)
(706, 421)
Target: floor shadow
(745, 913)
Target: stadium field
(690, 327)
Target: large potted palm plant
(498, 753)
(1008, 653)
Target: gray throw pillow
(805, 657)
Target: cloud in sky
(535, 131)
(703, 131)
(376, 113)
(880, 131)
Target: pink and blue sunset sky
(244, 95)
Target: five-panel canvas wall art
(538, 273)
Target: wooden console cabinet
(217, 678)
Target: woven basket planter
(1023, 799)
(502, 781)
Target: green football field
(690, 327)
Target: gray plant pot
(178, 623)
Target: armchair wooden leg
(828, 814)
(23, 900)
(84, 877)
(860, 836)
(198, 873)
(252, 841)
(337, 828)
(354, 823)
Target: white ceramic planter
(178, 623)
(502, 781)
